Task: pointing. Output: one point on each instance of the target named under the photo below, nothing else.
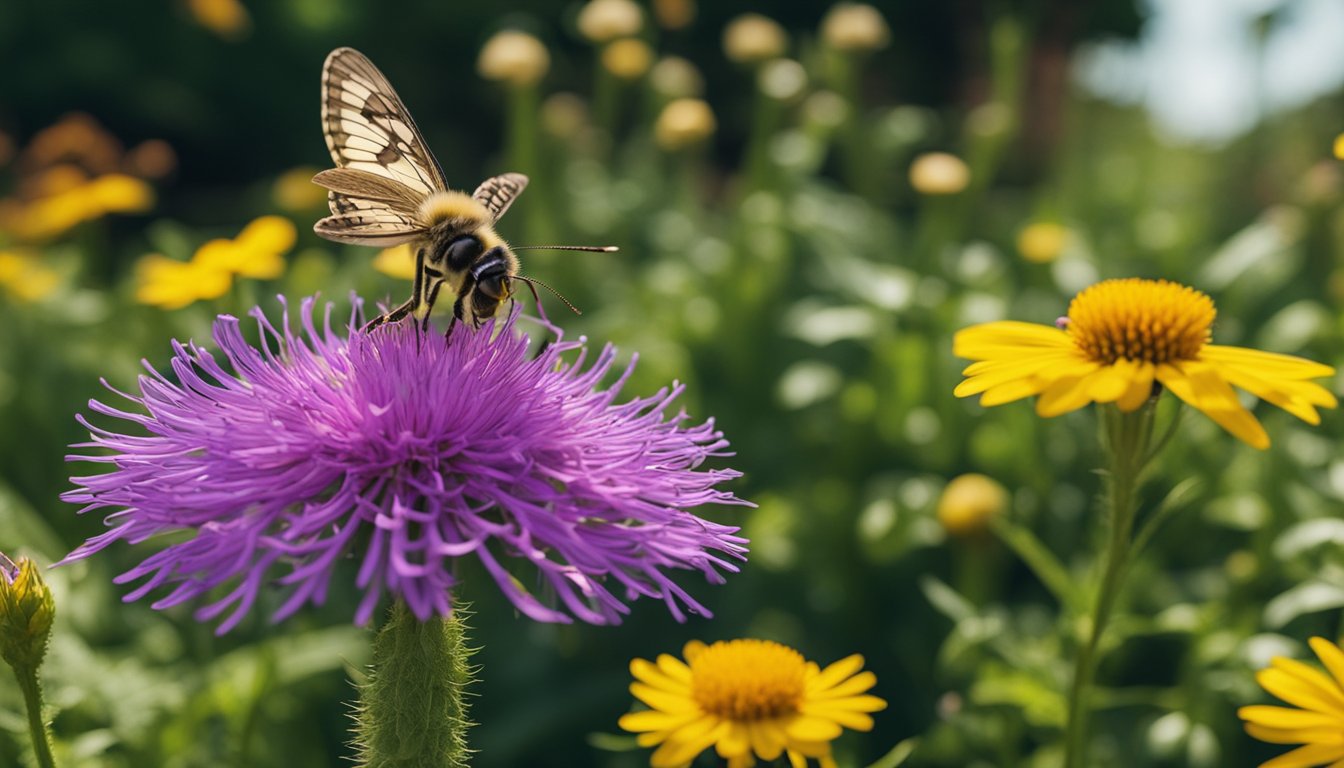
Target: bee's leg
(396, 315)
(429, 304)
(457, 313)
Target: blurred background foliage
(807, 206)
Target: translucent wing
(368, 128)
(498, 192)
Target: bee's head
(490, 274)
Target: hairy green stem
(37, 729)
(1127, 438)
(413, 710)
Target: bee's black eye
(461, 251)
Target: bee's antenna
(532, 281)
(596, 248)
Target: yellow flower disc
(748, 679)
(1152, 321)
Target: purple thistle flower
(407, 452)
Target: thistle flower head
(405, 451)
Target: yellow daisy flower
(1123, 338)
(748, 699)
(1319, 723)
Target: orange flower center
(1151, 321)
(748, 680)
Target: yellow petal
(648, 672)
(397, 261)
(735, 741)
(1064, 395)
(835, 673)
(653, 720)
(270, 234)
(808, 728)
(1140, 388)
(1286, 717)
(1332, 657)
(1330, 735)
(1269, 363)
(663, 700)
(674, 668)
(768, 738)
(845, 688)
(1203, 388)
(987, 340)
(1306, 757)
(1298, 691)
(1014, 390)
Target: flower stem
(37, 729)
(413, 712)
(1127, 436)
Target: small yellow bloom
(674, 14)
(1042, 242)
(939, 173)
(27, 611)
(602, 21)
(226, 18)
(515, 58)
(683, 123)
(295, 191)
(747, 699)
(676, 78)
(1316, 719)
(1122, 338)
(25, 277)
(119, 193)
(397, 261)
(855, 27)
(1339, 147)
(752, 38)
(969, 502)
(171, 284)
(257, 252)
(51, 215)
(627, 59)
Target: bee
(388, 189)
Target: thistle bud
(26, 613)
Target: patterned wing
(368, 128)
(378, 226)
(498, 193)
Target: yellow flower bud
(602, 21)
(968, 503)
(855, 27)
(938, 173)
(752, 38)
(676, 78)
(627, 59)
(26, 613)
(515, 58)
(1339, 147)
(397, 261)
(683, 123)
(1042, 242)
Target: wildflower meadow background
(810, 200)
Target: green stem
(413, 711)
(37, 730)
(1127, 438)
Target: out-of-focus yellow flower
(226, 18)
(782, 79)
(602, 21)
(152, 159)
(25, 277)
(295, 191)
(54, 214)
(752, 38)
(1042, 242)
(627, 59)
(683, 123)
(1339, 146)
(676, 78)
(78, 138)
(564, 115)
(855, 27)
(674, 14)
(938, 173)
(398, 262)
(55, 180)
(172, 284)
(257, 252)
(969, 503)
(513, 57)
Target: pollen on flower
(1152, 321)
(748, 679)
